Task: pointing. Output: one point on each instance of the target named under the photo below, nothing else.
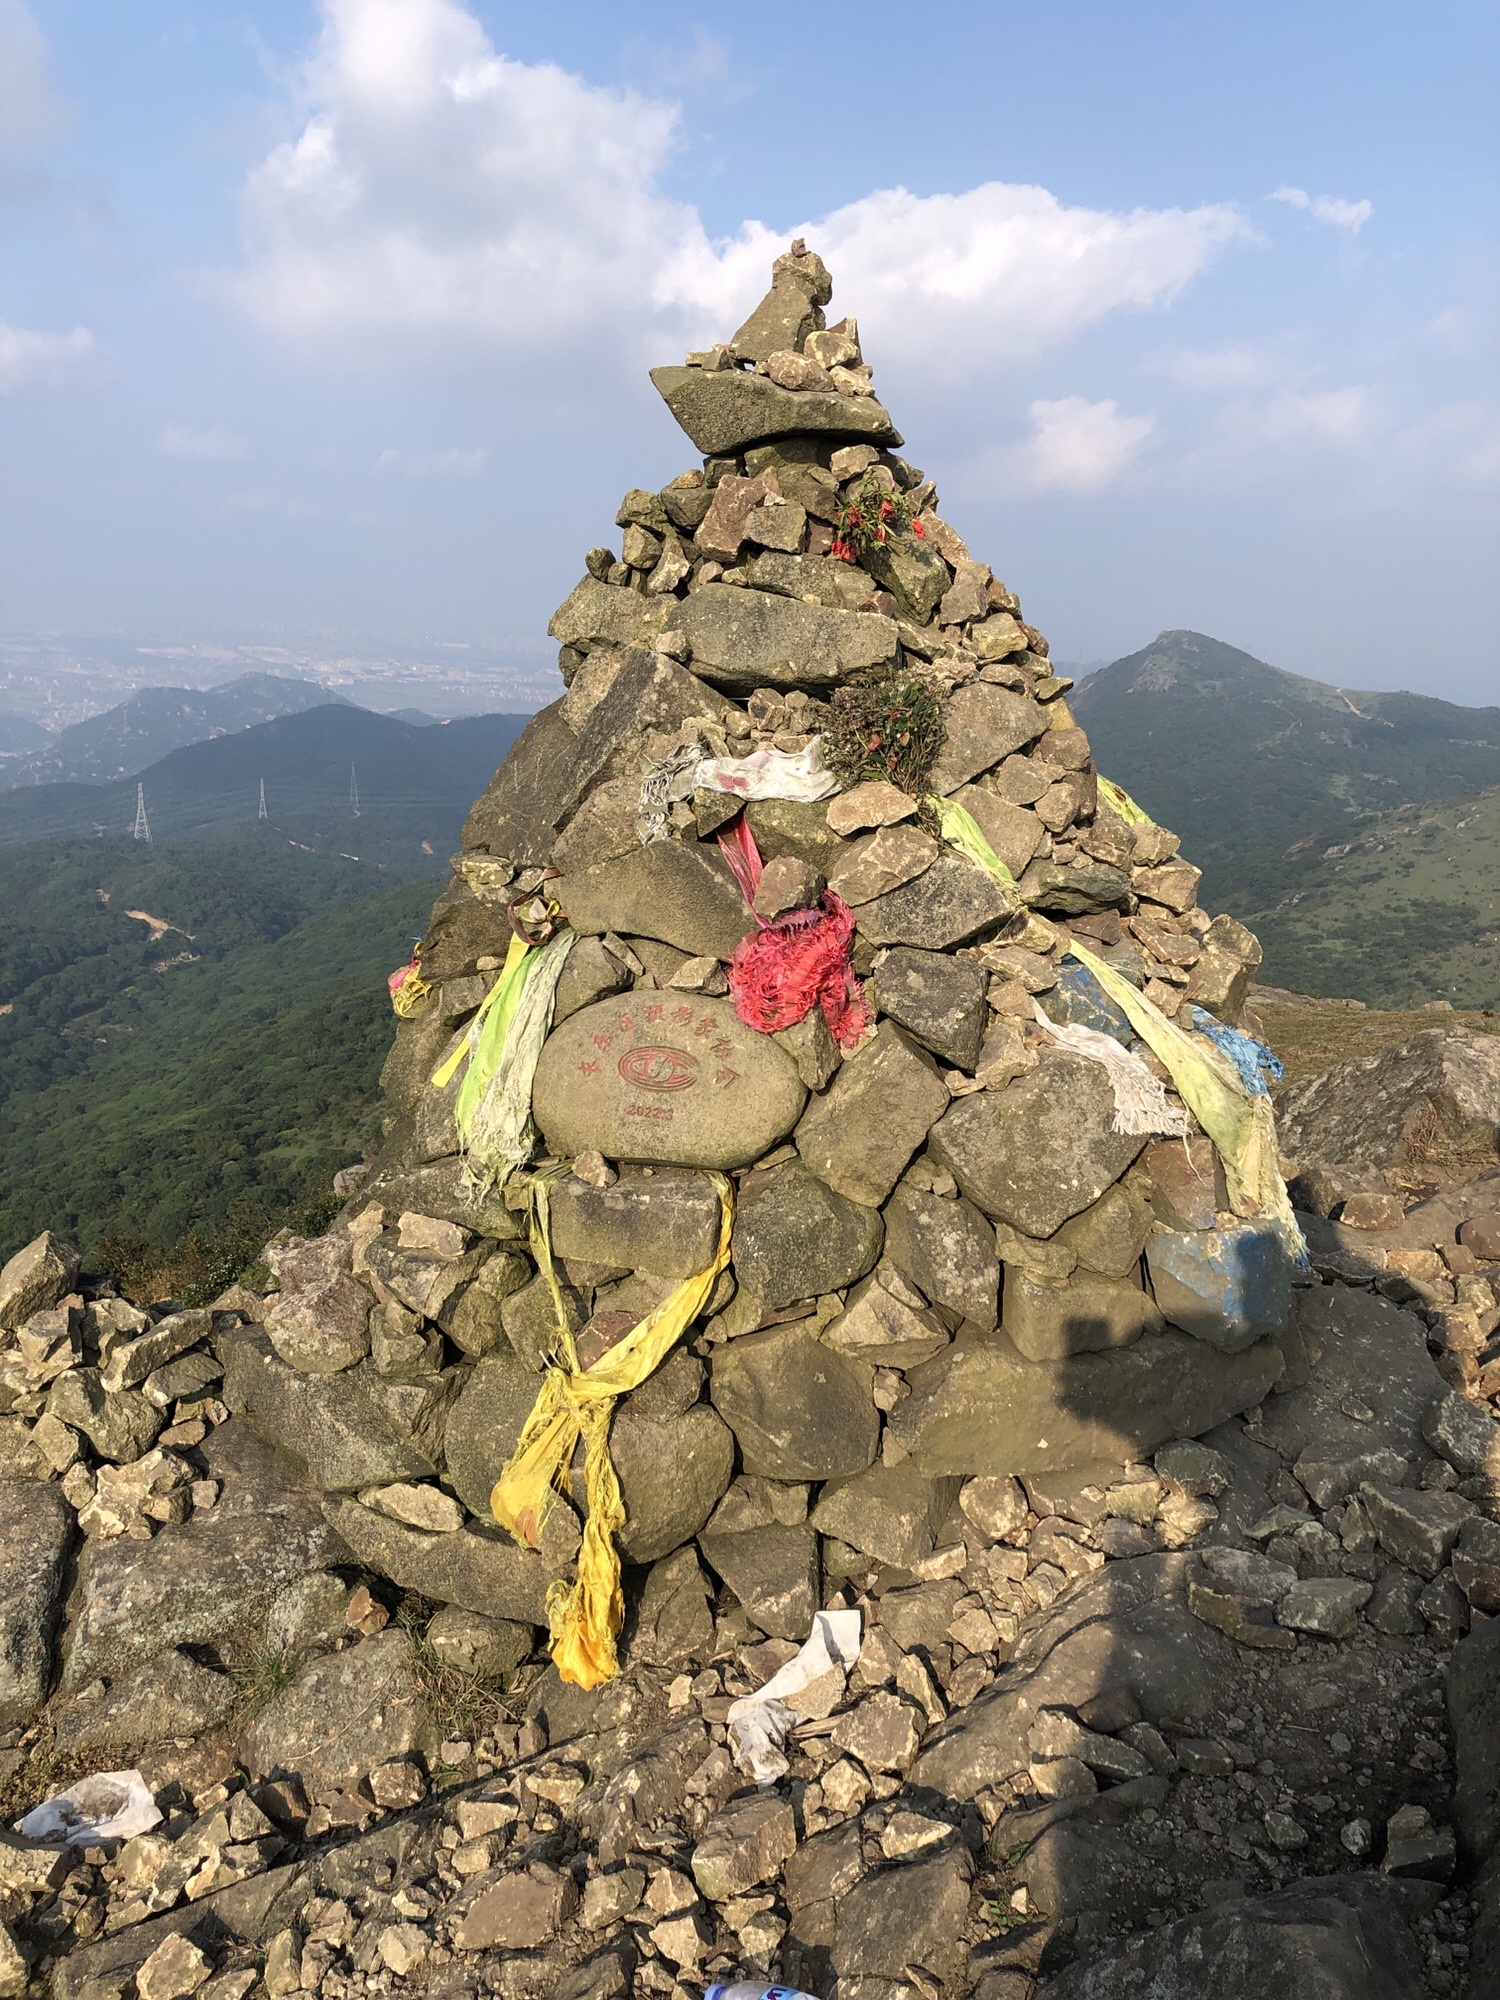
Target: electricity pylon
(142, 829)
(263, 814)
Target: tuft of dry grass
(463, 1706)
(263, 1676)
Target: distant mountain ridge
(414, 782)
(137, 732)
(1243, 759)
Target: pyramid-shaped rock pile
(947, 1260)
(985, 1286)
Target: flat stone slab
(479, 1570)
(723, 410)
(679, 1080)
(985, 1409)
(668, 1223)
(605, 614)
(677, 891)
(745, 639)
(193, 1585)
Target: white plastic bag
(770, 774)
(110, 1806)
(760, 1723)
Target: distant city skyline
(334, 318)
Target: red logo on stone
(659, 1069)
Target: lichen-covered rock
(36, 1532)
(1435, 1094)
(1040, 1150)
(797, 1409)
(861, 1132)
(796, 1238)
(680, 892)
(891, 1512)
(940, 1001)
(947, 1250)
(343, 1716)
(36, 1278)
(773, 1571)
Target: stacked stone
(946, 1262)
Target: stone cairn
(951, 1380)
(861, 1355)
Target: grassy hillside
(1399, 909)
(1243, 759)
(1310, 1035)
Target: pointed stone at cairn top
(786, 373)
(790, 311)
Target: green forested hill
(178, 1094)
(414, 783)
(191, 1031)
(136, 732)
(1243, 759)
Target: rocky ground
(1218, 1697)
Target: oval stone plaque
(664, 1076)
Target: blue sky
(334, 318)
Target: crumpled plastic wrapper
(760, 1723)
(110, 1806)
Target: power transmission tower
(263, 814)
(142, 830)
(353, 792)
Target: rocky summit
(1121, 1570)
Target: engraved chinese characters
(665, 1076)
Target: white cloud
(1460, 442)
(30, 113)
(439, 192)
(423, 464)
(1077, 446)
(1222, 368)
(217, 445)
(1341, 417)
(42, 360)
(1330, 208)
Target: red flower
(919, 531)
(886, 509)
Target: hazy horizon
(331, 321)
